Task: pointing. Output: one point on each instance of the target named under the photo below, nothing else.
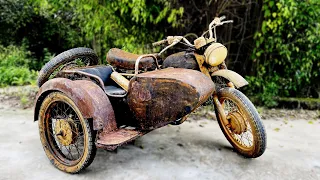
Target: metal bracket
(136, 69)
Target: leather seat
(104, 72)
(125, 60)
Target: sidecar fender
(91, 100)
(232, 76)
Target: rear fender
(232, 76)
(91, 100)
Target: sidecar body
(157, 98)
(121, 112)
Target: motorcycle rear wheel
(245, 130)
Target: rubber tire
(259, 133)
(90, 149)
(65, 57)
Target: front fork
(201, 61)
(219, 109)
(219, 106)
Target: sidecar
(112, 110)
(151, 100)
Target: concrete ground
(194, 150)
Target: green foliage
(13, 56)
(287, 50)
(23, 24)
(14, 66)
(106, 24)
(284, 43)
(14, 15)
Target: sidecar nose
(162, 96)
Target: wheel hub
(237, 122)
(66, 131)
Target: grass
(21, 95)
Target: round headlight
(215, 54)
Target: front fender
(232, 76)
(89, 98)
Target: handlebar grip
(159, 42)
(222, 18)
(229, 21)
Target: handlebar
(173, 40)
(159, 42)
(217, 22)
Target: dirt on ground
(193, 150)
(18, 97)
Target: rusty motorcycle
(82, 106)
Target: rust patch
(141, 93)
(160, 97)
(89, 98)
(201, 63)
(112, 140)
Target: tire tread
(258, 125)
(65, 57)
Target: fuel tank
(159, 97)
(185, 60)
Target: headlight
(215, 54)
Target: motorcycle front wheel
(245, 130)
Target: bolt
(60, 134)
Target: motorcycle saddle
(125, 60)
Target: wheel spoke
(76, 146)
(70, 151)
(243, 139)
(59, 112)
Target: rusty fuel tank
(160, 97)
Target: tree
(287, 50)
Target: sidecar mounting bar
(136, 69)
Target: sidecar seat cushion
(103, 72)
(113, 90)
(122, 59)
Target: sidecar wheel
(67, 138)
(245, 130)
(75, 57)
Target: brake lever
(229, 21)
(224, 22)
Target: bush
(287, 51)
(14, 66)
